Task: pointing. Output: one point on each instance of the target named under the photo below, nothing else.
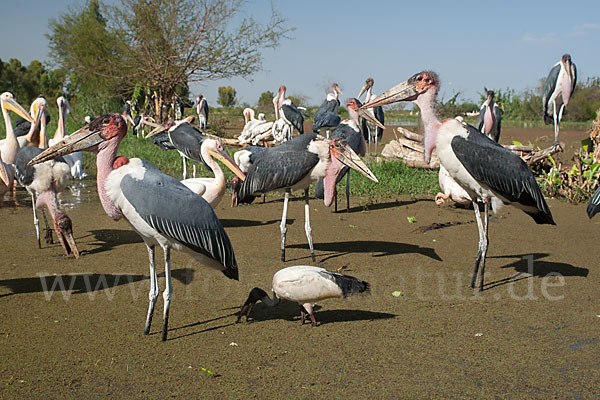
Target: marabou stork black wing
(277, 170)
(176, 212)
(549, 88)
(505, 173)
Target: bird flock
(179, 215)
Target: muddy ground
(532, 333)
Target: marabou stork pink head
(421, 89)
(353, 105)
(336, 89)
(100, 133)
(568, 66)
(368, 85)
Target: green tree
(90, 53)
(26, 83)
(162, 45)
(226, 96)
(265, 102)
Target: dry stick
(536, 156)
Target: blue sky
(470, 44)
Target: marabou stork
(286, 110)
(293, 165)
(451, 189)
(202, 111)
(487, 171)
(43, 182)
(561, 81)
(305, 285)
(371, 131)
(160, 209)
(75, 160)
(213, 189)
(349, 130)
(489, 121)
(326, 117)
(186, 139)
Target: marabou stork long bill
(158, 207)
(350, 131)
(487, 171)
(561, 81)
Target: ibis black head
(255, 295)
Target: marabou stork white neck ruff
(158, 207)
(484, 169)
(305, 285)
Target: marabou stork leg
(480, 244)
(36, 221)
(153, 293)
(556, 128)
(194, 171)
(167, 293)
(283, 222)
(376, 140)
(307, 224)
(560, 113)
(348, 191)
(486, 241)
(184, 167)
(314, 321)
(335, 200)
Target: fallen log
(536, 156)
(409, 147)
(410, 135)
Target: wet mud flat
(73, 328)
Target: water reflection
(402, 123)
(76, 193)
